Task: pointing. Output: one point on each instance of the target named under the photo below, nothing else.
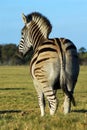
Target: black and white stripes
(54, 63)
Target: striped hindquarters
(48, 51)
(59, 51)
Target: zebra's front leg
(41, 100)
(67, 105)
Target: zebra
(54, 64)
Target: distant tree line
(82, 52)
(9, 55)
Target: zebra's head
(37, 28)
(25, 42)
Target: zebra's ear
(24, 18)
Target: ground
(19, 108)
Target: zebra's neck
(43, 23)
(40, 28)
(36, 35)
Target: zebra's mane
(42, 22)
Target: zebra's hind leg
(41, 100)
(51, 97)
(53, 106)
(67, 105)
(69, 98)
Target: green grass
(19, 108)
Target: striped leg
(53, 106)
(41, 98)
(51, 97)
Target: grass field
(19, 108)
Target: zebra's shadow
(12, 88)
(80, 111)
(10, 111)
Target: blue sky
(68, 18)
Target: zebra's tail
(63, 83)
